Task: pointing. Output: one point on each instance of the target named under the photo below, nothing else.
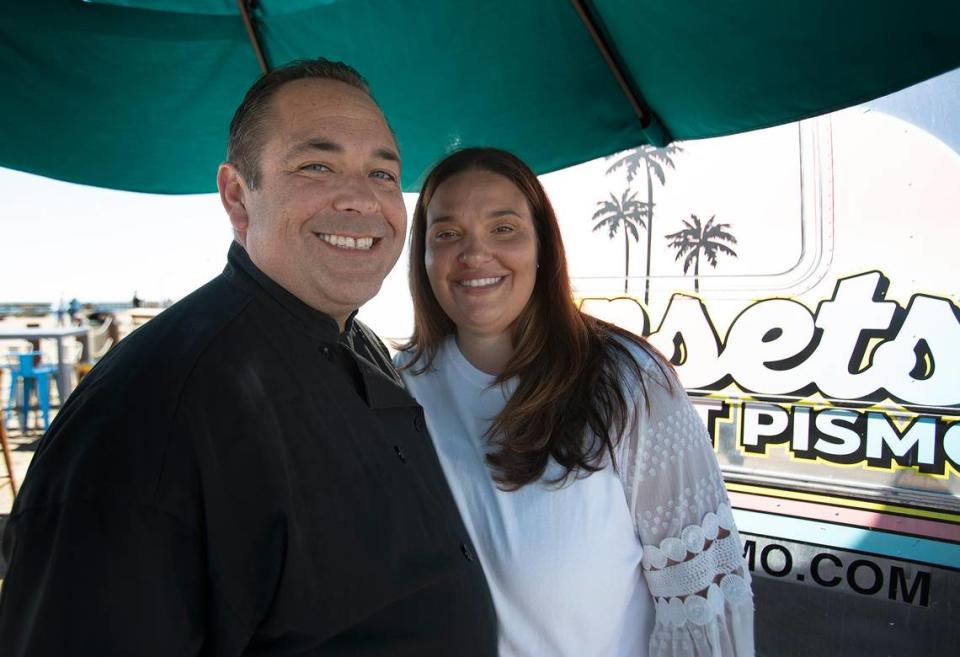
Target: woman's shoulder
(420, 364)
(637, 357)
(403, 357)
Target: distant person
(587, 480)
(73, 309)
(245, 474)
(137, 301)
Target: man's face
(327, 220)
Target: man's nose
(355, 194)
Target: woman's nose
(474, 252)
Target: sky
(61, 240)
(65, 240)
(104, 245)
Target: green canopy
(137, 94)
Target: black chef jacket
(237, 478)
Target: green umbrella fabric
(137, 94)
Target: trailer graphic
(824, 357)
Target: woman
(585, 477)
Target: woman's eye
(504, 228)
(444, 235)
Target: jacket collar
(382, 386)
(241, 270)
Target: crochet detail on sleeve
(681, 567)
(700, 610)
(670, 437)
(706, 493)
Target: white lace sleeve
(692, 556)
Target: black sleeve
(97, 579)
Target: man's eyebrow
(324, 145)
(387, 154)
(328, 146)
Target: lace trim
(700, 610)
(692, 539)
(694, 575)
(695, 568)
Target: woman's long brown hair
(572, 368)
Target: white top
(609, 565)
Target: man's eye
(384, 175)
(315, 166)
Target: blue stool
(24, 376)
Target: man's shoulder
(159, 356)
(113, 433)
(207, 307)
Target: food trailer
(821, 347)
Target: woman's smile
(481, 252)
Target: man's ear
(233, 195)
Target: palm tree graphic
(698, 237)
(652, 161)
(625, 211)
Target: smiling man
(245, 475)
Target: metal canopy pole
(655, 130)
(245, 6)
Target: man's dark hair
(247, 126)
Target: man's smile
(347, 242)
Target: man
(245, 474)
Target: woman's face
(481, 252)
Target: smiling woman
(586, 479)
(481, 259)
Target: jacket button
(466, 552)
(418, 422)
(325, 350)
(400, 454)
